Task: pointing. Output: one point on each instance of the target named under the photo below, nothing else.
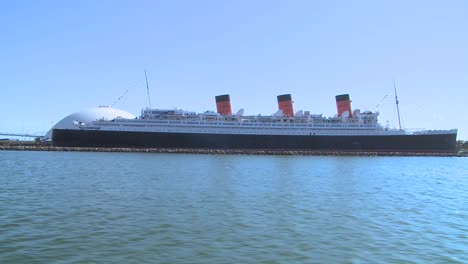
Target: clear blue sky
(59, 57)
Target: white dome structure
(88, 115)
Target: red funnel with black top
(223, 104)
(343, 104)
(285, 103)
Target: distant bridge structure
(20, 135)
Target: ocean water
(73, 207)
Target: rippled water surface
(61, 207)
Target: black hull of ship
(380, 143)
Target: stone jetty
(47, 146)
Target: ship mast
(397, 104)
(147, 89)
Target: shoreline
(36, 146)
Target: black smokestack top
(222, 98)
(342, 97)
(284, 98)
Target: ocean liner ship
(174, 128)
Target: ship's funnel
(285, 104)
(343, 104)
(223, 104)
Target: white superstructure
(180, 121)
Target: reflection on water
(175, 208)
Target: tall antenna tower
(147, 89)
(397, 104)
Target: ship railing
(421, 131)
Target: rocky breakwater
(47, 146)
